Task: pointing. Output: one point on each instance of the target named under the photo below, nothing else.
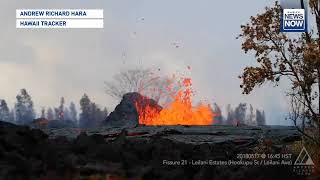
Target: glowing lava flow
(179, 112)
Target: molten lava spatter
(179, 112)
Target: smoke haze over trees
(24, 113)
(240, 115)
(5, 114)
(50, 115)
(24, 108)
(91, 114)
(73, 112)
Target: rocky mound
(125, 113)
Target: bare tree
(144, 81)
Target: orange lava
(179, 112)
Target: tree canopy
(291, 56)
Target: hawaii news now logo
(294, 20)
(303, 165)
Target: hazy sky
(69, 62)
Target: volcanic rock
(61, 124)
(28, 153)
(43, 123)
(125, 113)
